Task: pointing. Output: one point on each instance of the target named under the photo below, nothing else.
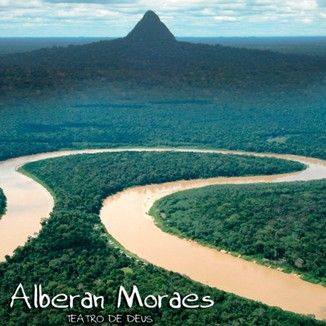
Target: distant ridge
(150, 29)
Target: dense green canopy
(279, 224)
(73, 252)
(139, 117)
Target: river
(125, 217)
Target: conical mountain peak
(150, 14)
(150, 29)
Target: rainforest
(149, 169)
(278, 224)
(74, 237)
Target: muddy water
(126, 219)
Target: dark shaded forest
(179, 64)
(278, 224)
(295, 45)
(2, 202)
(73, 237)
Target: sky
(211, 18)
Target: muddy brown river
(125, 217)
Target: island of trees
(2, 203)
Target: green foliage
(72, 252)
(91, 118)
(158, 168)
(282, 224)
(2, 203)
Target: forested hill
(151, 55)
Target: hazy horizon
(177, 36)
(194, 18)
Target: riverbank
(136, 221)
